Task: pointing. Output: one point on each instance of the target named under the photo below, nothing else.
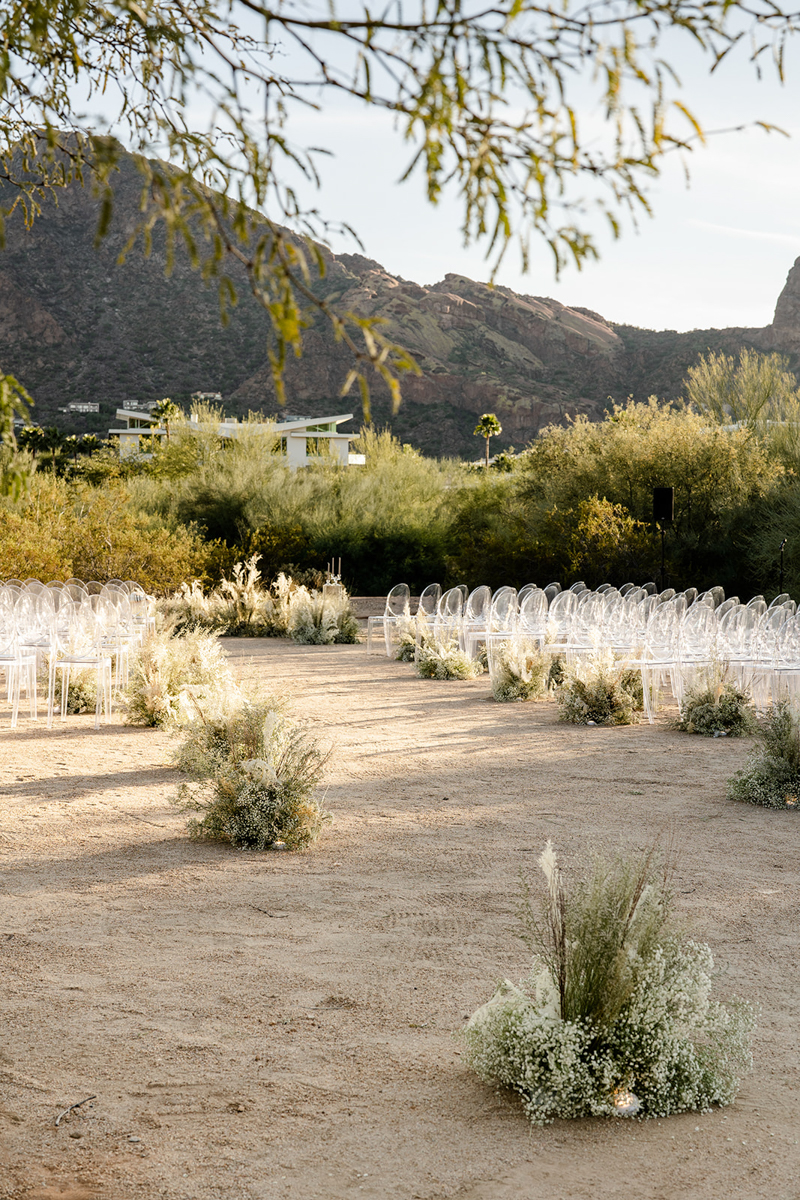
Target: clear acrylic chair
(397, 608)
(79, 645)
(476, 614)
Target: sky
(715, 253)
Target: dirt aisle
(261, 1026)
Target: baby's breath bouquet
(771, 776)
(518, 669)
(446, 661)
(616, 1016)
(256, 772)
(598, 691)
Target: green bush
(598, 691)
(257, 772)
(615, 1015)
(771, 776)
(715, 710)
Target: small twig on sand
(69, 1110)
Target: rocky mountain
(78, 324)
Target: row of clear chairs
(673, 638)
(65, 626)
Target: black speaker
(663, 505)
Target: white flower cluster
(671, 1046)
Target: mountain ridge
(75, 324)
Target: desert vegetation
(576, 503)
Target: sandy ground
(261, 1026)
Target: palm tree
(488, 427)
(53, 440)
(166, 411)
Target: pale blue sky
(714, 254)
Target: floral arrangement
(407, 640)
(616, 1016)
(598, 691)
(321, 618)
(519, 670)
(172, 673)
(771, 776)
(255, 774)
(718, 708)
(446, 661)
(243, 607)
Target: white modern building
(302, 440)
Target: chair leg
(64, 689)
(14, 674)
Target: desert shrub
(321, 619)
(771, 776)
(615, 1014)
(717, 709)
(256, 772)
(172, 673)
(598, 691)
(519, 671)
(446, 662)
(58, 529)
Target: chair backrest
(768, 627)
(398, 602)
(579, 587)
(667, 594)
(503, 616)
(784, 596)
(551, 591)
(533, 613)
(560, 614)
(699, 631)
(718, 593)
(736, 631)
(524, 591)
(626, 587)
(661, 634)
(603, 588)
(756, 602)
(790, 606)
(726, 606)
(787, 643)
(429, 598)
(451, 605)
(479, 603)
(650, 588)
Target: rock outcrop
(784, 332)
